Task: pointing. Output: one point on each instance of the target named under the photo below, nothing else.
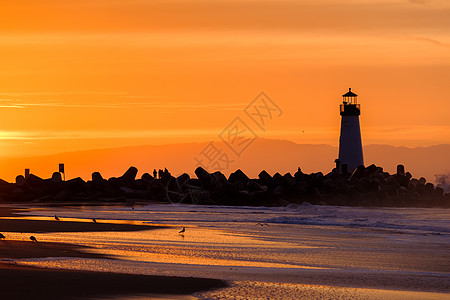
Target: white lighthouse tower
(350, 145)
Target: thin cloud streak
(156, 105)
(131, 134)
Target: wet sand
(42, 226)
(22, 282)
(19, 282)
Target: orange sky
(85, 74)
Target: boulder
(56, 177)
(35, 182)
(183, 178)
(357, 173)
(97, 177)
(238, 176)
(146, 179)
(206, 180)
(129, 175)
(20, 180)
(265, 178)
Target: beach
(24, 282)
(307, 252)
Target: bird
(2, 236)
(33, 239)
(56, 218)
(262, 224)
(94, 220)
(182, 230)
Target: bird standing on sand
(56, 218)
(33, 239)
(182, 230)
(94, 220)
(2, 236)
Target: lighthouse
(350, 145)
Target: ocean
(277, 249)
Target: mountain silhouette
(263, 154)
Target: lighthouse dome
(349, 93)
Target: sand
(19, 282)
(22, 282)
(270, 290)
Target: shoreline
(177, 284)
(26, 282)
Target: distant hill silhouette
(264, 154)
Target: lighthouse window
(345, 124)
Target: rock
(439, 192)
(20, 180)
(183, 179)
(265, 178)
(146, 179)
(129, 175)
(429, 187)
(422, 180)
(220, 181)
(238, 175)
(35, 181)
(357, 174)
(278, 179)
(253, 186)
(371, 170)
(56, 177)
(75, 185)
(289, 179)
(97, 177)
(173, 186)
(206, 180)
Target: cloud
(133, 105)
(427, 39)
(48, 93)
(106, 134)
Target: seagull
(2, 236)
(33, 239)
(182, 230)
(262, 224)
(56, 218)
(94, 220)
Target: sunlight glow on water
(197, 246)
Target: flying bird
(262, 224)
(56, 218)
(182, 230)
(33, 239)
(2, 236)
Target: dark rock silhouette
(366, 186)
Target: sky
(86, 74)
